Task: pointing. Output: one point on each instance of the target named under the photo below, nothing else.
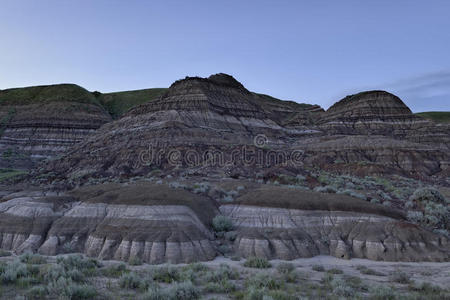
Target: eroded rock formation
(44, 121)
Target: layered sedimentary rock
(372, 112)
(43, 121)
(282, 224)
(149, 222)
(194, 115)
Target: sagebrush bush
(263, 280)
(222, 223)
(341, 288)
(335, 271)
(399, 277)
(115, 270)
(224, 272)
(33, 259)
(166, 274)
(132, 281)
(257, 262)
(285, 267)
(183, 291)
(13, 271)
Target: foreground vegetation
(77, 277)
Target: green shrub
(37, 292)
(335, 271)
(33, 259)
(257, 262)
(341, 288)
(224, 272)
(88, 266)
(222, 223)
(183, 291)
(284, 268)
(13, 271)
(224, 286)
(264, 281)
(368, 271)
(166, 274)
(382, 292)
(399, 277)
(114, 271)
(132, 281)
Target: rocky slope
(151, 222)
(195, 115)
(199, 116)
(158, 223)
(43, 121)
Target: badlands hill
(209, 168)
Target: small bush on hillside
(368, 271)
(37, 292)
(400, 277)
(264, 281)
(224, 272)
(284, 268)
(382, 292)
(132, 281)
(341, 288)
(222, 223)
(115, 270)
(183, 291)
(13, 271)
(428, 194)
(335, 271)
(257, 262)
(166, 274)
(33, 259)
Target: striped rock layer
(152, 232)
(45, 121)
(280, 233)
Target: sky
(307, 51)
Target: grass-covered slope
(436, 116)
(45, 94)
(120, 102)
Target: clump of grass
(114, 271)
(33, 259)
(178, 291)
(257, 262)
(166, 274)
(264, 281)
(335, 271)
(400, 277)
(132, 281)
(367, 271)
(285, 268)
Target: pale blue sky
(307, 51)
